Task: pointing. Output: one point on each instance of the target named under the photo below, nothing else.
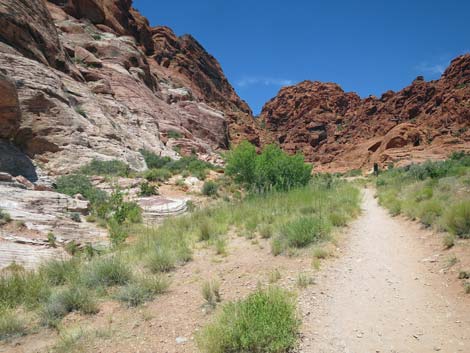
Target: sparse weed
(211, 293)
(274, 276)
(304, 280)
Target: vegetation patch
(142, 289)
(435, 193)
(271, 170)
(266, 321)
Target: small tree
(241, 163)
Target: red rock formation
(27, 26)
(94, 80)
(339, 131)
(9, 108)
(183, 61)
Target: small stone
(181, 340)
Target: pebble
(181, 340)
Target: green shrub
(429, 211)
(153, 161)
(147, 189)
(271, 170)
(303, 231)
(106, 168)
(66, 301)
(304, 280)
(141, 290)
(211, 293)
(59, 272)
(160, 175)
(241, 163)
(160, 260)
(123, 212)
(4, 217)
(320, 253)
(80, 184)
(11, 325)
(75, 216)
(457, 219)
(448, 241)
(206, 232)
(210, 188)
(174, 134)
(274, 276)
(266, 231)
(105, 272)
(185, 165)
(21, 287)
(264, 322)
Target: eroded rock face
(338, 131)
(186, 63)
(94, 80)
(27, 26)
(9, 108)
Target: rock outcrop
(9, 108)
(84, 79)
(339, 131)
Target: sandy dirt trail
(383, 295)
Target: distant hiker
(376, 169)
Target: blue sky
(366, 46)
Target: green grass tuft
(265, 321)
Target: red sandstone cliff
(341, 131)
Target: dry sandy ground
(390, 289)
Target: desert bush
(22, 287)
(11, 324)
(160, 175)
(429, 211)
(320, 253)
(66, 301)
(147, 189)
(273, 169)
(266, 231)
(4, 217)
(220, 246)
(211, 293)
(448, 241)
(185, 165)
(174, 134)
(59, 272)
(210, 188)
(106, 271)
(160, 260)
(241, 163)
(153, 161)
(265, 321)
(303, 231)
(106, 168)
(80, 184)
(142, 289)
(274, 276)
(457, 219)
(304, 280)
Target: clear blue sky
(366, 46)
